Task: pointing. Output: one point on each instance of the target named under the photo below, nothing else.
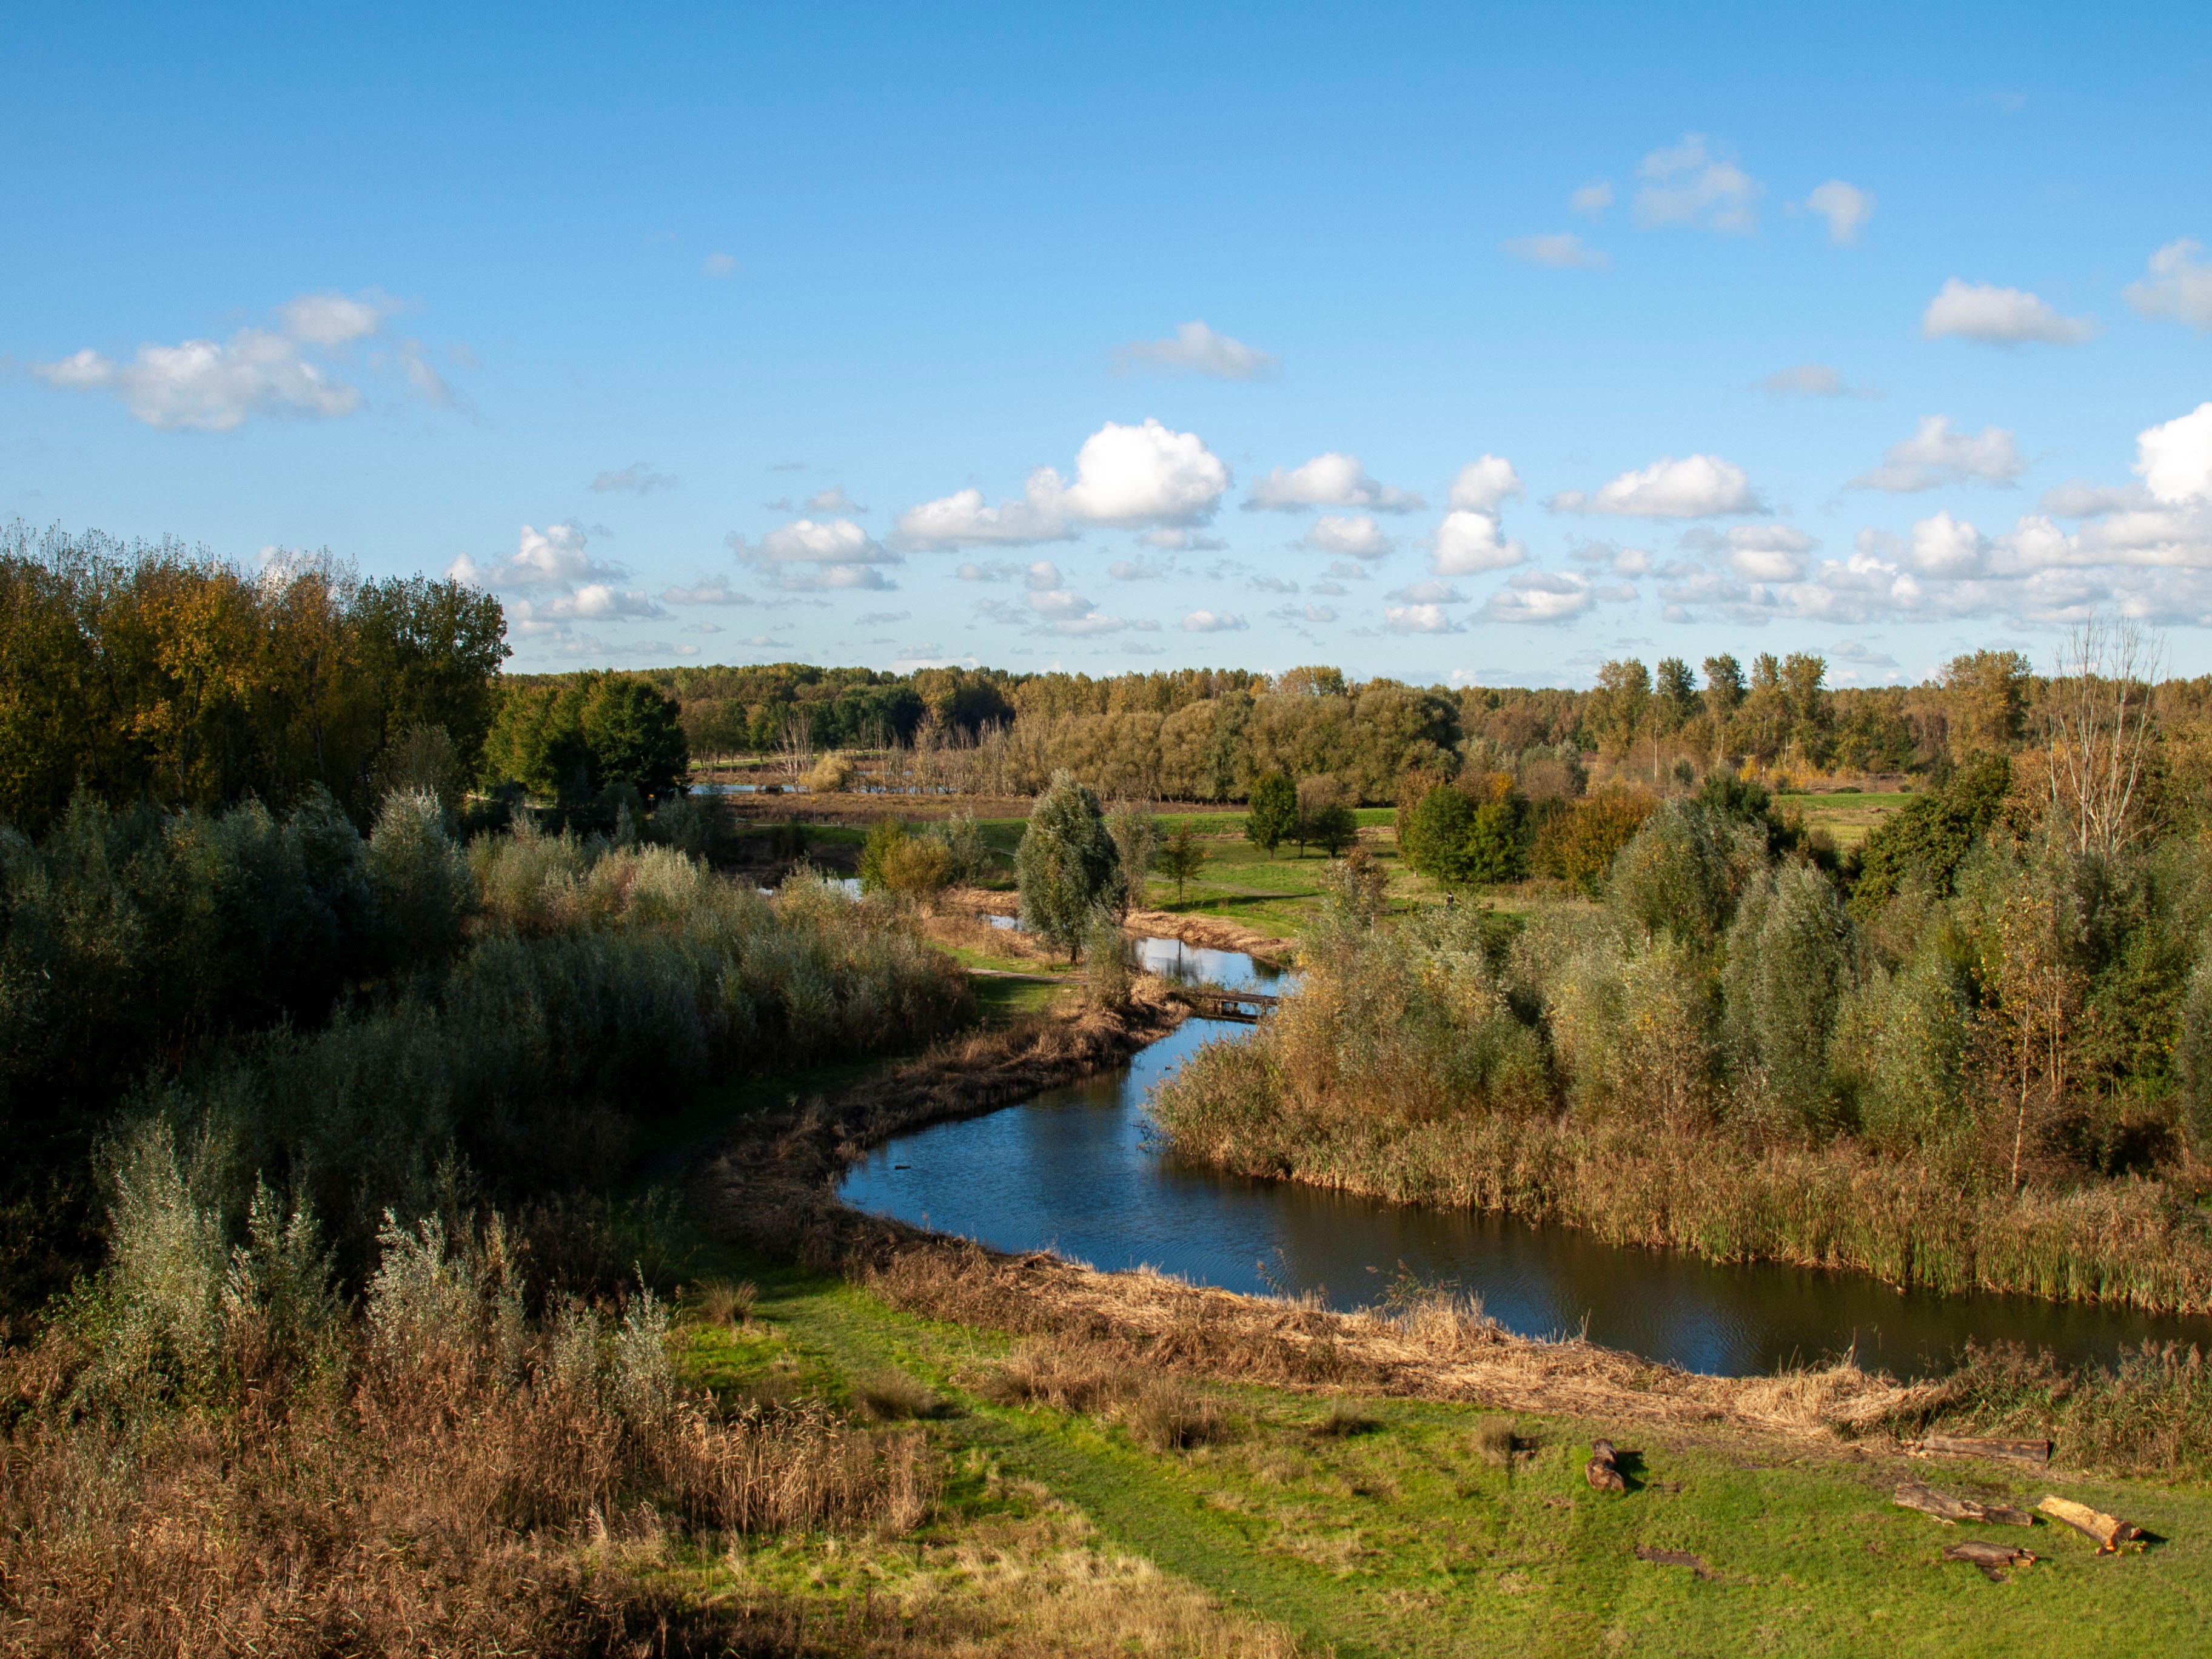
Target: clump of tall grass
(202, 1453)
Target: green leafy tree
(1498, 841)
(1678, 694)
(635, 736)
(1273, 815)
(1066, 865)
(1724, 690)
(1136, 834)
(1332, 828)
(1433, 840)
(1927, 841)
(1181, 856)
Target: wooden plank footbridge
(1211, 1002)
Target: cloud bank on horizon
(1641, 385)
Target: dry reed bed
(1214, 933)
(2132, 1242)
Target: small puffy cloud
(713, 590)
(638, 478)
(1948, 547)
(1483, 484)
(1420, 619)
(1430, 593)
(1468, 542)
(1999, 316)
(1349, 536)
(1561, 250)
(210, 386)
(1127, 476)
(1541, 596)
(201, 386)
(1689, 183)
(1194, 349)
(1136, 570)
(557, 556)
(717, 266)
(1768, 552)
(1332, 479)
(1938, 454)
(1810, 380)
(2175, 460)
(1592, 198)
(1212, 622)
(1695, 487)
(1846, 207)
(333, 320)
(593, 602)
(1145, 475)
(809, 555)
(1273, 584)
(2178, 289)
(962, 519)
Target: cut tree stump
(1603, 1470)
(1912, 1495)
(2111, 1534)
(1953, 1445)
(1991, 1558)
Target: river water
(1075, 1170)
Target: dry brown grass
(427, 1508)
(727, 1304)
(1214, 933)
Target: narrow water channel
(1074, 1171)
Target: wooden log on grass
(1603, 1470)
(2111, 1534)
(1950, 1511)
(1991, 1558)
(1956, 1445)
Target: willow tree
(1066, 865)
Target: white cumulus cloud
(1468, 542)
(1846, 207)
(2178, 289)
(1127, 476)
(1541, 596)
(1350, 536)
(1695, 487)
(1690, 184)
(1484, 483)
(1212, 622)
(1420, 619)
(1194, 349)
(284, 373)
(1937, 453)
(809, 555)
(2175, 460)
(557, 556)
(1999, 316)
(1768, 552)
(1332, 479)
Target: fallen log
(1912, 1495)
(2111, 1534)
(1603, 1471)
(1953, 1445)
(1991, 1558)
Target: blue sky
(1431, 342)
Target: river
(1076, 1171)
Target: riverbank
(773, 1188)
(2136, 1243)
